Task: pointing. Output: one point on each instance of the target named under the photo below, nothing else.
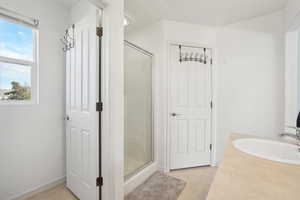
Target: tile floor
(198, 182)
(58, 193)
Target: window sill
(18, 103)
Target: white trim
(214, 113)
(166, 149)
(16, 61)
(112, 140)
(34, 64)
(41, 188)
(106, 140)
(139, 178)
(18, 18)
(155, 106)
(113, 182)
(291, 79)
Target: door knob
(174, 114)
(67, 118)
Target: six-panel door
(81, 96)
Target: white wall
(189, 33)
(248, 72)
(251, 78)
(32, 140)
(292, 14)
(79, 10)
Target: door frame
(112, 122)
(167, 141)
(112, 119)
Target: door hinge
(99, 31)
(210, 147)
(211, 105)
(99, 106)
(211, 61)
(99, 181)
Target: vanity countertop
(245, 177)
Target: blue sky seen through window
(16, 41)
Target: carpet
(158, 187)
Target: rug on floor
(158, 187)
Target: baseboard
(39, 189)
(139, 178)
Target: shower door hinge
(210, 147)
(99, 181)
(99, 31)
(99, 106)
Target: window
(18, 63)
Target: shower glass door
(138, 109)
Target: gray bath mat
(158, 187)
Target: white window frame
(34, 68)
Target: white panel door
(190, 111)
(81, 96)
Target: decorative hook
(67, 40)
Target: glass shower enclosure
(138, 109)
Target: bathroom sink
(270, 150)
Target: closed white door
(82, 123)
(190, 110)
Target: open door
(82, 118)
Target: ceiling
(204, 12)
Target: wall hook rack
(193, 56)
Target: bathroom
(137, 99)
